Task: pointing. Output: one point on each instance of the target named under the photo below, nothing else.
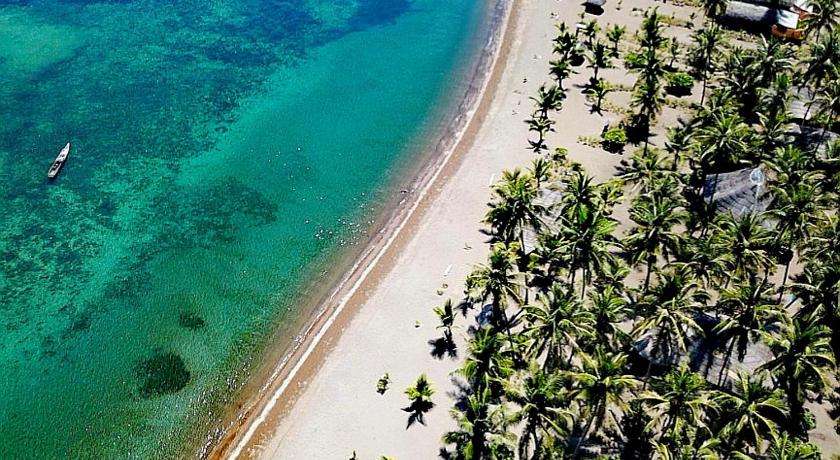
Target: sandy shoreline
(314, 343)
(329, 407)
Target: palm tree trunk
(822, 134)
(477, 441)
(647, 275)
(586, 429)
(524, 257)
(726, 361)
(583, 284)
(784, 280)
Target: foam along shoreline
(313, 344)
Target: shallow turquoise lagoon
(224, 151)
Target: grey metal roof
(737, 192)
(746, 13)
(808, 138)
(802, 98)
(547, 198)
(706, 354)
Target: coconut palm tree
(599, 57)
(515, 207)
(486, 364)
(648, 99)
(828, 98)
(747, 241)
(654, 235)
(667, 314)
(702, 56)
(608, 310)
(499, 282)
(637, 434)
(480, 432)
(547, 99)
(541, 407)
(541, 125)
(706, 261)
(643, 169)
(600, 90)
(542, 170)
(615, 34)
(590, 234)
(721, 144)
(795, 207)
(652, 36)
(818, 287)
(600, 383)
(821, 60)
(446, 316)
(678, 143)
(752, 413)
(420, 400)
(825, 16)
(561, 69)
(578, 191)
(590, 31)
(802, 359)
(678, 403)
(747, 311)
(785, 447)
(554, 324)
(674, 49)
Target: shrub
(680, 83)
(633, 60)
(614, 139)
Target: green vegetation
(383, 383)
(420, 400)
(679, 83)
(699, 331)
(614, 139)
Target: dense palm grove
(554, 368)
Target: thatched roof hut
(548, 199)
(809, 138)
(739, 192)
(802, 98)
(749, 15)
(705, 353)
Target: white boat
(59, 161)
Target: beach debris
(417, 323)
(467, 246)
(382, 385)
(446, 272)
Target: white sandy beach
(332, 408)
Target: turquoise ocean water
(224, 151)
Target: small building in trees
(762, 18)
(705, 353)
(739, 192)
